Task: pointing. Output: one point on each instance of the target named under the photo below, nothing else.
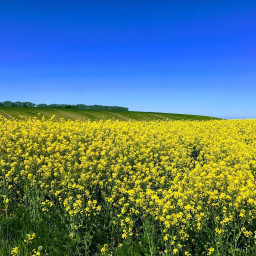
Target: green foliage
(77, 106)
(87, 114)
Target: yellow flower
(175, 250)
(210, 251)
(15, 251)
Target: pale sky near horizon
(193, 57)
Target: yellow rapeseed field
(161, 187)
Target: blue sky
(194, 57)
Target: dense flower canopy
(186, 181)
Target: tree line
(77, 106)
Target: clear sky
(194, 57)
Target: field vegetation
(93, 115)
(127, 187)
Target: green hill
(73, 114)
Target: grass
(93, 115)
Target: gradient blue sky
(195, 57)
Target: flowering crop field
(127, 188)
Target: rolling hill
(74, 114)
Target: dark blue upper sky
(196, 57)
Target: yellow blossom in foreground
(182, 177)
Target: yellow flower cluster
(192, 179)
(15, 251)
(29, 238)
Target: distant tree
(29, 104)
(41, 105)
(8, 103)
(78, 106)
(17, 104)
